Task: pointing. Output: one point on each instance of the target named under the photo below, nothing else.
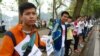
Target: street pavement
(92, 47)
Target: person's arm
(7, 47)
(42, 43)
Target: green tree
(90, 7)
(19, 3)
(0, 1)
(39, 4)
(0, 11)
(56, 5)
(97, 8)
(77, 8)
(54, 2)
(71, 7)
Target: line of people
(63, 31)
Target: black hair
(25, 6)
(64, 12)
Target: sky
(44, 7)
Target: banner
(21, 47)
(35, 51)
(49, 47)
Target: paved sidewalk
(92, 48)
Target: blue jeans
(61, 52)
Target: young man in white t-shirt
(81, 26)
(59, 34)
(75, 34)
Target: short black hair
(64, 12)
(25, 6)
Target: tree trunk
(38, 5)
(0, 1)
(0, 14)
(60, 3)
(87, 7)
(0, 11)
(19, 3)
(22, 1)
(77, 8)
(39, 12)
(54, 3)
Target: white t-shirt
(86, 24)
(63, 35)
(90, 24)
(80, 26)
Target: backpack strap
(39, 46)
(11, 35)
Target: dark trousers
(67, 47)
(76, 38)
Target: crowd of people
(63, 30)
(69, 30)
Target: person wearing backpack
(59, 34)
(28, 16)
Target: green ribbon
(32, 40)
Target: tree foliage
(56, 5)
(39, 4)
(77, 8)
(19, 3)
(0, 0)
(0, 10)
(71, 7)
(90, 7)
